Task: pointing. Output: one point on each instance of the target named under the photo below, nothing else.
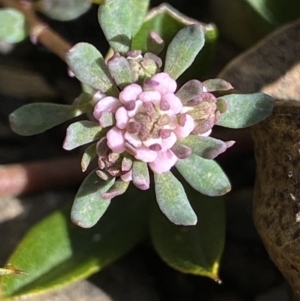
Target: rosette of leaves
(198, 248)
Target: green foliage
(63, 10)
(89, 206)
(183, 49)
(120, 71)
(195, 250)
(172, 200)
(245, 109)
(120, 20)
(80, 133)
(12, 26)
(205, 147)
(205, 176)
(36, 118)
(89, 154)
(166, 22)
(89, 67)
(56, 252)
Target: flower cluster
(148, 122)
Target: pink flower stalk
(148, 121)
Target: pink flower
(148, 121)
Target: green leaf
(56, 252)
(89, 154)
(120, 70)
(206, 147)
(183, 49)
(172, 200)
(245, 109)
(80, 133)
(88, 65)
(37, 118)
(63, 10)
(89, 206)
(195, 250)
(140, 175)
(120, 20)
(217, 84)
(166, 22)
(205, 176)
(12, 26)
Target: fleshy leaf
(183, 49)
(205, 176)
(37, 118)
(155, 44)
(118, 188)
(245, 109)
(63, 10)
(88, 65)
(166, 22)
(120, 20)
(206, 147)
(89, 206)
(89, 154)
(189, 91)
(80, 133)
(195, 250)
(56, 252)
(120, 71)
(140, 175)
(172, 200)
(12, 26)
(217, 84)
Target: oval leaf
(89, 206)
(56, 252)
(80, 133)
(206, 147)
(12, 26)
(205, 176)
(88, 65)
(195, 250)
(37, 118)
(245, 109)
(120, 20)
(217, 84)
(120, 70)
(63, 10)
(183, 49)
(172, 200)
(89, 154)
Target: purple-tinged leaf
(206, 147)
(155, 44)
(140, 175)
(217, 84)
(190, 91)
(118, 188)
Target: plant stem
(39, 31)
(16, 179)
